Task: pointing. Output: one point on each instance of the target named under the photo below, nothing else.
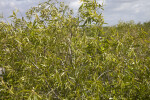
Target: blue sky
(114, 10)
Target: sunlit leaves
(54, 55)
(88, 12)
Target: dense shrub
(55, 55)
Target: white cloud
(12, 4)
(130, 6)
(136, 7)
(126, 10)
(123, 6)
(75, 4)
(2, 4)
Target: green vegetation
(51, 54)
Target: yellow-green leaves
(56, 55)
(88, 12)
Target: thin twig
(35, 65)
(103, 73)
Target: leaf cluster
(53, 55)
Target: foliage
(54, 55)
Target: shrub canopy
(52, 54)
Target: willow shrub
(51, 54)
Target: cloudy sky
(114, 10)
